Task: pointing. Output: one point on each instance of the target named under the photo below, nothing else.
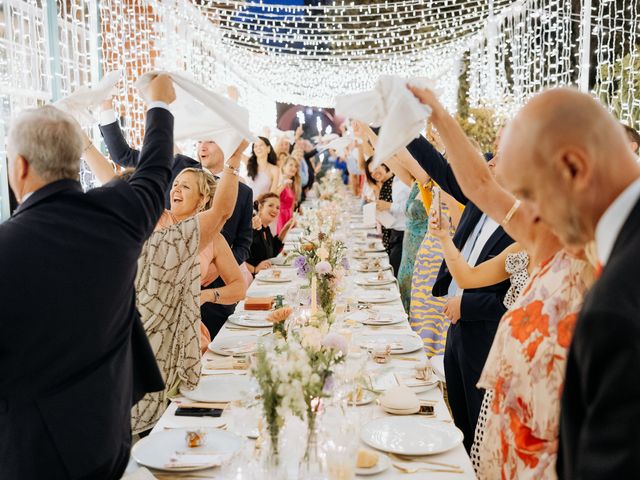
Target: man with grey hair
(73, 354)
(569, 159)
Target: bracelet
(233, 170)
(216, 295)
(510, 213)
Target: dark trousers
(466, 351)
(214, 315)
(395, 250)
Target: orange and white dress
(525, 369)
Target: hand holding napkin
(400, 116)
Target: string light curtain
(523, 49)
(615, 32)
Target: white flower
(323, 253)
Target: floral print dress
(525, 368)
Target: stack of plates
(399, 343)
(267, 276)
(377, 296)
(235, 345)
(373, 280)
(253, 320)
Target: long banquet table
(456, 456)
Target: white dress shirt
(613, 220)
(399, 194)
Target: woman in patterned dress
(426, 311)
(526, 364)
(416, 229)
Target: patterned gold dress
(425, 312)
(168, 298)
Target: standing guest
(125, 156)
(237, 232)
(426, 315)
(289, 192)
(568, 158)
(392, 198)
(262, 168)
(474, 313)
(66, 410)
(524, 372)
(265, 245)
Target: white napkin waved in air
(88, 97)
(340, 144)
(201, 114)
(392, 107)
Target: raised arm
(98, 164)
(119, 150)
(151, 178)
(234, 288)
(224, 200)
(466, 276)
(473, 174)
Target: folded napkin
(225, 363)
(340, 144)
(201, 114)
(400, 116)
(88, 97)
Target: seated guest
(289, 191)
(265, 246)
(524, 371)
(569, 160)
(76, 360)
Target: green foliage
(618, 86)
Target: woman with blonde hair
(186, 251)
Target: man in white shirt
(568, 158)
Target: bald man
(570, 159)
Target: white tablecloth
(457, 455)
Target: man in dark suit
(74, 356)
(475, 314)
(568, 157)
(237, 230)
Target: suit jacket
(125, 156)
(74, 357)
(600, 409)
(478, 304)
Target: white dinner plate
(219, 388)
(156, 450)
(373, 280)
(381, 466)
(377, 296)
(266, 276)
(379, 318)
(254, 320)
(400, 343)
(235, 345)
(411, 435)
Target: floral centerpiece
(293, 376)
(323, 263)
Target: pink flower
(323, 267)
